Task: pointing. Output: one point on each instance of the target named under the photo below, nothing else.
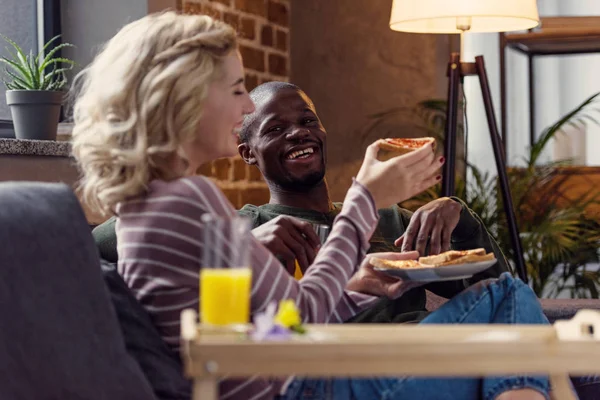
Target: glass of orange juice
(225, 274)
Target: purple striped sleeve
(351, 304)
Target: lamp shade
(444, 16)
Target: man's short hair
(259, 95)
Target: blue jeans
(502, 301)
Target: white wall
(88, 24)
(561, 84)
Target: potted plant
(35, 86)
(560, 240)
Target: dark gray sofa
(60, 336)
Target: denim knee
(493, 387)
(505, 281)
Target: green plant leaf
(32, 70)
(43, 51)
(549, 133)
(35, 72)
(18, 66)
(23, 85)
(19, 60)
(48, 59)
(16, 86)
(24, 73)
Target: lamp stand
(456, 71)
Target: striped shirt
(159, 247)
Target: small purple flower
(278, 334)
(265, 327)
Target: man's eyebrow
(266, 120)
(237, 82)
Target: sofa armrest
(566, 308)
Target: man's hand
(369, 281)
(435, 220)
(289, 239)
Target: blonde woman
(166, 95)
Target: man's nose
(298, 133)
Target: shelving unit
(555, 36)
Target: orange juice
(225, 295)
(297, 271)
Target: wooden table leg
(561, 387)
(206, 389)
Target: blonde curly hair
(141, 99)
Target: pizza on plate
(394, 147)
(452, 257)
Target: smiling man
(292, 159)
(286, 140)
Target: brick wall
(263, 26)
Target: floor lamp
(460, 16)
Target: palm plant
(559, 239)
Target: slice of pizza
(394, 147)
(469, 258)
(449, 256)
(397, 264)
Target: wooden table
(568, 347)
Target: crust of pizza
(393, 147)
(449, 256)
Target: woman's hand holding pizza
(401, 177)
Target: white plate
(434, 274)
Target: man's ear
(246, 154)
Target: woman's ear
(246, 154)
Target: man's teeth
(299, 153)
